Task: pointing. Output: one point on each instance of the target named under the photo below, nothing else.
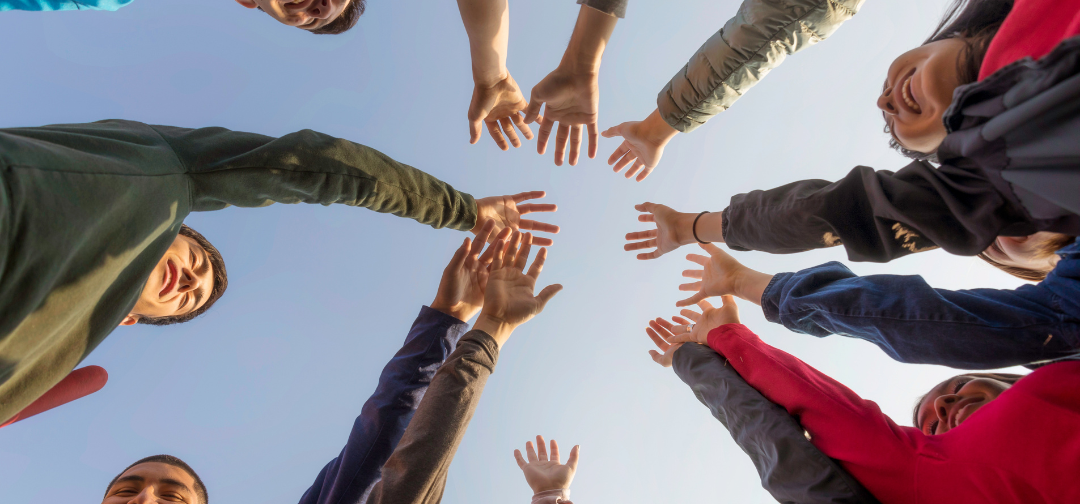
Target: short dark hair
(976, 22)
(200, 488)
(345, 21)
(221, 281)
(1009, 378)
(1043, 250)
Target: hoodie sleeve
(250, 170)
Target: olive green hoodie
(87, 211)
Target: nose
(942, 406)
(188, 280)
(320, 9)
(885, 103)
(146, 496)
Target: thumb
(692, 299)
(545, 295)
(613, 131)
(520, 461)
(713, 250)
(532, 113)
(477, 113)
(682, 338)
(572, 461)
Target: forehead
(152, 472)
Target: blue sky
(261, 392)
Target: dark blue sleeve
(912, 322)
(349, 478)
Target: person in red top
(979, 440)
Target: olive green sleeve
(750, 44)
(249, 170)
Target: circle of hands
(545, 473)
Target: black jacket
(1010, 167)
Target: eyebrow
(199, 294)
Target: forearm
(488, 24)
(416, 472)
(587, 44)
(250, 170)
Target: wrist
(684, 228)
(656, 130)
(495, 327)
(710, 227)
(751, 284)
(489, 77)
(460, 311)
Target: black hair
(221, 281)
(1009, 378)
(200, 488)
(345, 21)
(976, 22)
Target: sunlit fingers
(693, 273)
(620, 151)
(641, 235)
(536, 207)
(519, 121)
(562, 136)
(508, 129)
(543, 227)
(575, 144)
(496, 134)
(639, 245)
(543, 135)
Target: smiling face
(951, 403)
(153, 482)
(918, 90)
(180, 283)
(303, 14)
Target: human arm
(790, 467)
(497, 101)
(722, 275)
(571, 91)
(547, 476)
(915, 323)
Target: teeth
(906, 94)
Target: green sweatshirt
(87, 210)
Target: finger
(561, 137)
(536, 207)
(641, 235)
(645, 173)
(729, 306)
(530, 451)
(627, 159)
(713, 249)
(508, 130)
(528, 195)
(497, 260)
(532, 113)
(542, 242)
(704, 305)
(493, 128)
(700, 259)
(575, 144)
(682, 338)
(474, 130)
(460, 255)
(572, 461)
(679, 320)
(657, 357)
(522, 125)
(634, 169)
(512, 249)
(541, 449)
(645, 207)
(543, 135)
(520, 461)
(691, 287)
(523, 255)
(693, 273)
(538, 264)
(554, 452)
(650, 255)
(639, 245)
(657, 340)
(692, 299)
(620, 151)
(662, 327)
(646, 218)
(482, 236)
(690, 314)
(532, 225)
(594, 140)
(546, 295)
(613, 131)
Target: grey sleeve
(616, 8)
(756, 40)
(791, 468)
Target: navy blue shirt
(350, 477)
(912, 322)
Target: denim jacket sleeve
(350, 477)
(915, 323)
(792, 470)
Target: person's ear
(247, 3)
(131, 319)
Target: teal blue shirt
(57, 5)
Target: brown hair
(200, 488)
(976, 22)
(221, 281)
(1043, 250)
(1009, 378)
(345, 21)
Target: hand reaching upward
(722, 275)
(544, 473)
(710, 318)
(643, 145)
(498, 105)
(461, 289)
(573, 100)
(508, 299)
(506, 212)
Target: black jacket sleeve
(877, 215)
(791, 468)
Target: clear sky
(262, 391)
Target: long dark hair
(975, 22)
(1009, 378)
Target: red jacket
(1024, 447)
(1033, 28)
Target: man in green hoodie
(90, 212)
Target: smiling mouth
(907, 96)
(170, 275)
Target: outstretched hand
(722, 275)
(659, 331)
(508, 299)
(642, 147)
(668, 235)
(543, 473)
(702, 323)
(461, 289)
(498, 105)
(506, 212)
(573, 100)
